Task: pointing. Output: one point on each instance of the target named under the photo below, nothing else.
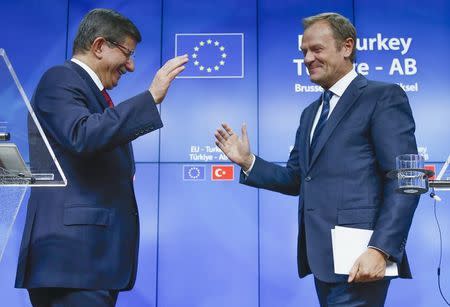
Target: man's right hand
(235, 148)
(165, 76)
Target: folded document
(348, 245)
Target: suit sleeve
(271, 176)
(392, 135)
(61, 105)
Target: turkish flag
(222, 172)
(431, 167)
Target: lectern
(26, 157)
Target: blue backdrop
(208, 242)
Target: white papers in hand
(348, 245)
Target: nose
(129, 65)
(308, 57)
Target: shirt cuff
(247, 172)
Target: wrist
(248, 161)
(380, 252)
(155, 99)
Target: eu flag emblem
(211, 55)
(193, 172)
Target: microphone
(435, 197)
(5, 136)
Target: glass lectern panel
(26, 158)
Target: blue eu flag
(212, 55)
(193, 172)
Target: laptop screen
(11, 163)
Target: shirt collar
(91, 73)
(339, 87)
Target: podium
(26, 157)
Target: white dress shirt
(337, 89)
(91, 73)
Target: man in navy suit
(347, 141)
(80, 242)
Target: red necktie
(108, 98)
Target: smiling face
(113, 62)
(325, 62)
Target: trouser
(66, 297)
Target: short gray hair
(341, 27)
(104, 23)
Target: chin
(315, 80)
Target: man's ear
(348, 46)
(98, 46)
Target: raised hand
(165, 76)
(236, 148)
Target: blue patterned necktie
(326, 96)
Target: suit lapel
(94, 88)
(349, 97)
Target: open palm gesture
(236, 148)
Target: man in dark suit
(346, 143)
(80, 242)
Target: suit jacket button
(308, 179)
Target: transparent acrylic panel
(26, 157)
(10, 200)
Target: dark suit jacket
(344, 182)
(86, 234)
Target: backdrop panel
(208, 241)
(406, 42)
(196, 106)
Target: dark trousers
(343, 294)
(65, 297)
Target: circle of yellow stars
(209, 42)
(194, 172)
